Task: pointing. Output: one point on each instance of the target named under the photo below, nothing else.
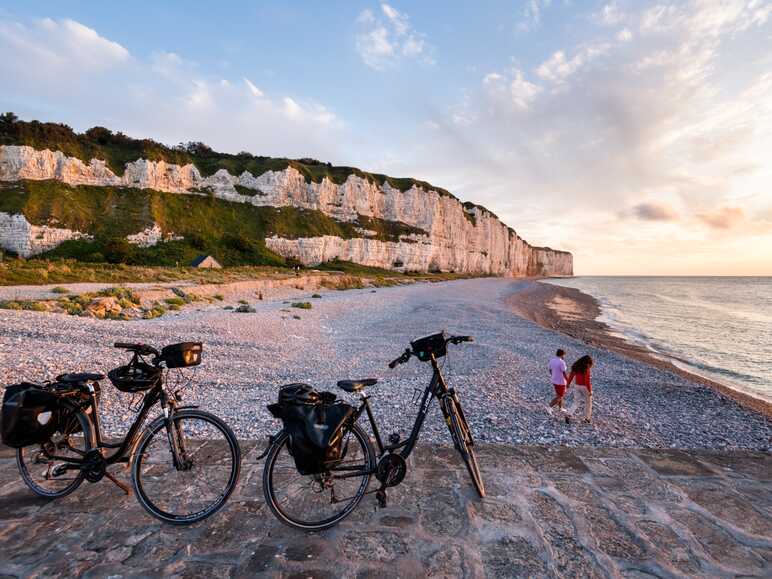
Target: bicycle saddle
(356, 385)
(80, 377)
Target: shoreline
(575, 314)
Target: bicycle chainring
(392, 469)
(94, 466)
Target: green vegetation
(117, 149)
(175, 302)
(316, 296)
(110, 214)
(302, 305)
(60, 290)
(351, 268)
(218, 297)
(30, 305)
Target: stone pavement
(550, 512)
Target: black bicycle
(321, 500)
(184, 464)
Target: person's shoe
(587, 421)
(568, 420)
(549, 411)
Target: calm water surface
(719, 327)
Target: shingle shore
(501, 378)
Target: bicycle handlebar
(141, 349)
(405, 357)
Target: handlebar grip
(124, 345)
(401, 360)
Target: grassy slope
(233, 232)
(116, 149)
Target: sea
(717, 327)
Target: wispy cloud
(387, 38)
(723, 217)
(531, 14)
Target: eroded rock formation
(458, 237)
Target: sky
(636, 135)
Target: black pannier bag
(313, 420)
(30, 415)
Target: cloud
(653, 211)
(723, 217)
(610, 14)
(531, 14)
(681, 114)
(256, 92)
(513, 89)
(166, 96)
(384, 41)
(558, 68)
(624, 35)
(57, 49)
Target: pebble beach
(501, 378)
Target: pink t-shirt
(557, 367)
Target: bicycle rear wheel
(202, 484)
(462, 437)
(318, 501)
(47, 477)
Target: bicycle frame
(122, 454)
(437, 388)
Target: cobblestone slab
(550, 512)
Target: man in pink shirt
(557, 369)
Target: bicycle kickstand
(123, 486)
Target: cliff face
(456, 237)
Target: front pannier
(182, 355)
(313, 420)
(30, 415)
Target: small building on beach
(206, 261)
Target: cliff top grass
(117, 149)
(234, 233)
(61, 271)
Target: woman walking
(581, 370)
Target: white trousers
(584, 396)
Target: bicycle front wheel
(318, 501)
(462, 437)
(198, 486)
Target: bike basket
(135, 377)
(435, 344)
(30, 415)
(182, 355)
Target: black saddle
(80, 378)
(356, 385)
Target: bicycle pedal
(381, 496)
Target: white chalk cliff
(456, 238)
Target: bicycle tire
(270, 493)
(159, 429)
(462, 437)
(24, 465)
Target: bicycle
(185, 454)
(320, 501)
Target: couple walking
(561, 380)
